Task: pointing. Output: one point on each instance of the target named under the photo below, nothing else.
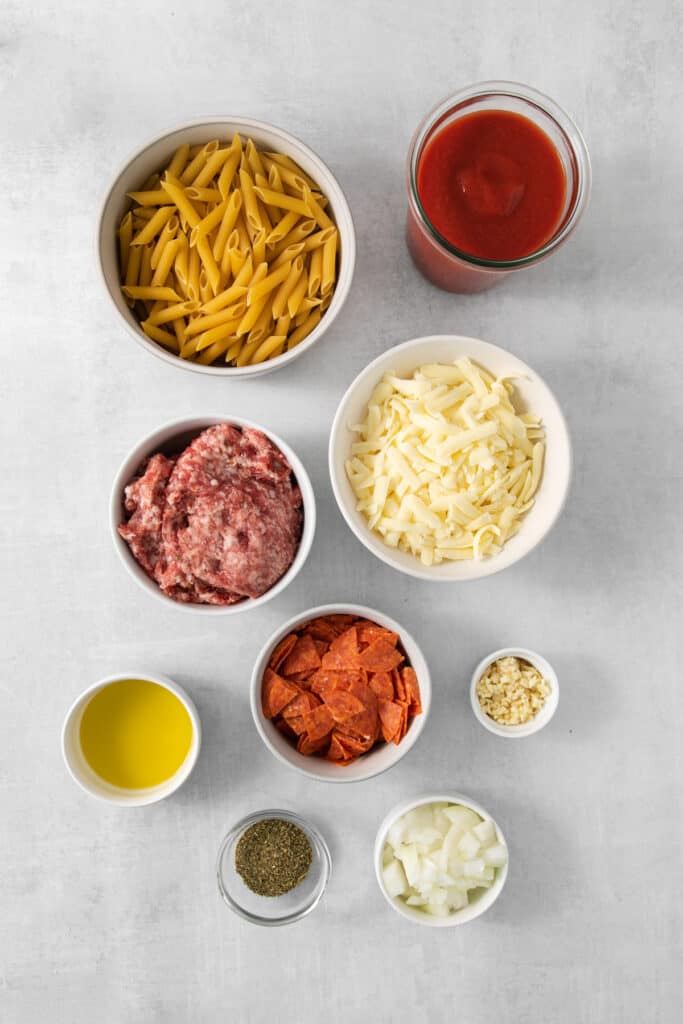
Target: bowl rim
(541, 718)
(347, 248)
(194, 423)
(339, 607)
(154, 794)
(373, 543)
(321, 847)
(458, 917)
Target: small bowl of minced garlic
(514, 692)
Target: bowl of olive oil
(132, 738)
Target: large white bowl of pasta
(226, 247)
(450, 458)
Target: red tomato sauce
(492, 184)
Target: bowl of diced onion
(450, 458)
(440, 860)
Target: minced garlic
(512, 691)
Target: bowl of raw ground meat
(213, 515)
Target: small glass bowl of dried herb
(273, 867)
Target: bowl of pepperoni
(212, 515)
(340, 693)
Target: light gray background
(112, 915)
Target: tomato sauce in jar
(498, 176)
(492, 184)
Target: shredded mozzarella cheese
(444, 467)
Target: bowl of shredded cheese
(514, 692)
(450, 458)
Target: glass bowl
(273, 910)
(437, 259)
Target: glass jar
(441, 262)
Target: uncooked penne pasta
(153, 226)
(197, 162)
(169, 230)
(329, 267)
(179, 161)
(315, 273)
(268, 195)
(228, 255)
(309, 324)
(282, 228)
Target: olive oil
(135, 734)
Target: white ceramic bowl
(539, 720)
(376, 761)
(173, 437)
(82, 773)
(479, 905)
(154, 156)
(531, 393)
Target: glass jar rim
(565, 124)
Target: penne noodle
(299, 233)
(125, 237)
(193, 270)
(297, 295)
(234, 349)
(205, 291)
(236, 291)
(132, 275)
(197, 162)
(177, 193)
(229, 169)
(267, 284)
(141, 214)
(282, 326)
(180, 266)
(212, 167)
(179, 161)
(209, 264)
(153, 226)
(326, 300)
(166, 262)
(258, 246)
(249, 319)
(241, 228)
(246, 352)
(208, 223)
(316, 210)
(302, 332)
(329, 267)
(151, 183)
(167, 313)
(150, 292)
(262, 326)
(288, 254)
(275, 178)
(164, 338)
(285, 161)
(282, 228)
(232, 209)
(287, 286)
(249, 203)
(206, 323)
(237, 260)
(271, 347)
(218, 333)
(203, 195)
(315, 272)
(145, 275)
(156, 197)
(253, 159)
(211, 354)
(268, 195)
(319, 238)
(169, 230)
